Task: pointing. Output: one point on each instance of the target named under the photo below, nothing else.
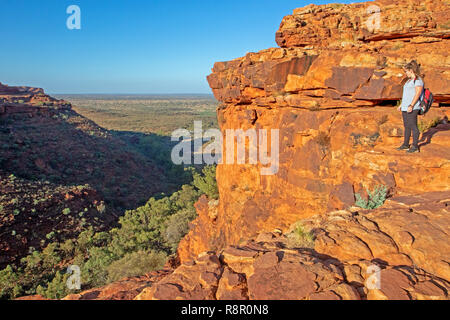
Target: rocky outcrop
(28, 100)
(337, 24)
(331, 90)
(126, 289)
(407, 231)
(397, 252)
(356, 75)
(407, 240)
(32, 215)
(55, 174)
(10, 90)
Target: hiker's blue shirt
(409, 92)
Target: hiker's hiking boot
(413, 149)
(403, 147)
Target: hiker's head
(412, 70)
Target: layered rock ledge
(331, 88)
(407, 240)
(332, 91)
(28, 100)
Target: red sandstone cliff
(27, 100)
(331, 89)
(407, 238)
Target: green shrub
(136, 264)
(94, 271)
(57, 288)
(207, 183)
(300, 238)
(178, 226)
(9, 284)
(141, 243)
(424, 126)
(50, 235)
(374, 200)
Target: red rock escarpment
(334, 24)
(126, 289)
(332, 91)
(407, 240)
(28, 100)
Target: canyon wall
(331, 89)
(407, 239)
(28, 100)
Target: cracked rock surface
(407, 240)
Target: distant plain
(158, 114)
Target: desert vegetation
(300, 237)
(143, 240)
(375, 198)
(103, 195)
(424, 125)
(156, 114)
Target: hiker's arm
(419, 90)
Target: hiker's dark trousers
(410, 123)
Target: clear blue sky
(131, 46)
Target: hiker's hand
(399, 108)
(410, 109)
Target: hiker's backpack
(426, 102)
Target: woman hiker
(412, 94)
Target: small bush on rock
(300, 237)
(207, 183)
(374, 200)
(136, 264)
